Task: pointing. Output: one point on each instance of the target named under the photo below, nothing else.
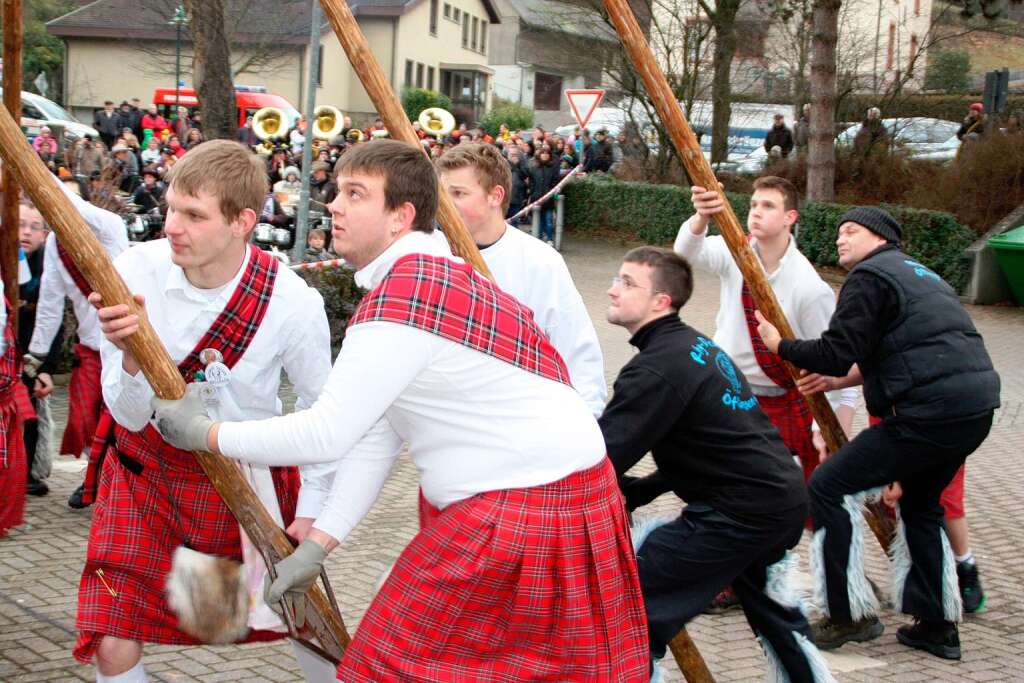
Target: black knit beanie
(876, 220)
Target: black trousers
(923, 457)
(685, 563)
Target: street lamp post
(178, 20)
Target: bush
(653, 214)
(341, 295)
(415, 100)
(516, 116)
(948, 70)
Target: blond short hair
(492, 168)
(225, 169)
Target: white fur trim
(658, 674)
(780, 584)
(642, 528)
(863, 602)
(209, 596)
(899, 561)
(775, 673)
(819, 667)
(952, 603)
(819, 596)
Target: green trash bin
(1009, 249)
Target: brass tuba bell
(327, 122)
(436, 121)
(269, 123)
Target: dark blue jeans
(547, 224)
(685, 563)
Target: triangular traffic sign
(583, 104)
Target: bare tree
(821, 152)
(211, 65)
(723, 20)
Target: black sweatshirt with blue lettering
(682, 399)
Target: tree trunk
(724, 22)
(821, 154)
(211, 65)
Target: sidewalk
(40, 562)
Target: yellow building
(123, 49)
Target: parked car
(37, 111)
(921, 137)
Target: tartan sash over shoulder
(83, 286)
(449, 299)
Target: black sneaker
(940, 638)
(723, 602)
(828, 634)
(970, 587)
(75, 501)
(37, 487)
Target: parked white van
(37, 111)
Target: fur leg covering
(863, 602)
(776, 673)
(209, 596)
(900, 564)
(642, 528)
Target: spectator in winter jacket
(873, 136)
(600, 154)
(45, 146)
(779, 136)
(107, 123)
(520, 180)
(802, 130)
(129, 117)
(543, 177)
(153, 125)
(88, 157)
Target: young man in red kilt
(806, 299)
(682, 399)
(61, 279)
(232, 321)
(15, 409)
(527, 573)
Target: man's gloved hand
(184, 423)
(31, 364)
(295, 576)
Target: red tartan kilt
(13, 466)
(135, 530)
(85, 401)
(513, 585)
(793, 421)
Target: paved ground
(40, 562)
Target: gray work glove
(31, 364)
(296, 574)
(184, 423)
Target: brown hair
(408, 176)
(491, 167)
(225, 169)
(790, 198)
(671, 274)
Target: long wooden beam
(397, 123)
(14, 35)
(25, 166)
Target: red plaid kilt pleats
(513, 585)
(85, 401)
(15, 409)
(135, 530)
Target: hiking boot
(940, 638)
(75, 501)
(828, 634)
(970, 587)
(723, 602)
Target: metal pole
(302, 212)
(535, 222)
(177, 65)
(559, 220)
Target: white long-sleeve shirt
(807, 301)
(57, 283)
(536, 274)
(473, 423)
(293, 336)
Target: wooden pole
(14, 33)
(90, 257)
(689, 660)
(391, 113)
(701, 174)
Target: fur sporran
(209, 596)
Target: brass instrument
(327, 122)
(269, 123)
(436, 121)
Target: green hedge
(653, 213)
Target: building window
(483, 36)
(433, 17)
(419, 75)
(456, 15)
(447, 11)
(430, 78)
(891, 51)
(465, 30)
(547, 92)
(914, 46)
(408, 73)
(476, 31)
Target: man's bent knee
(116, 655)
